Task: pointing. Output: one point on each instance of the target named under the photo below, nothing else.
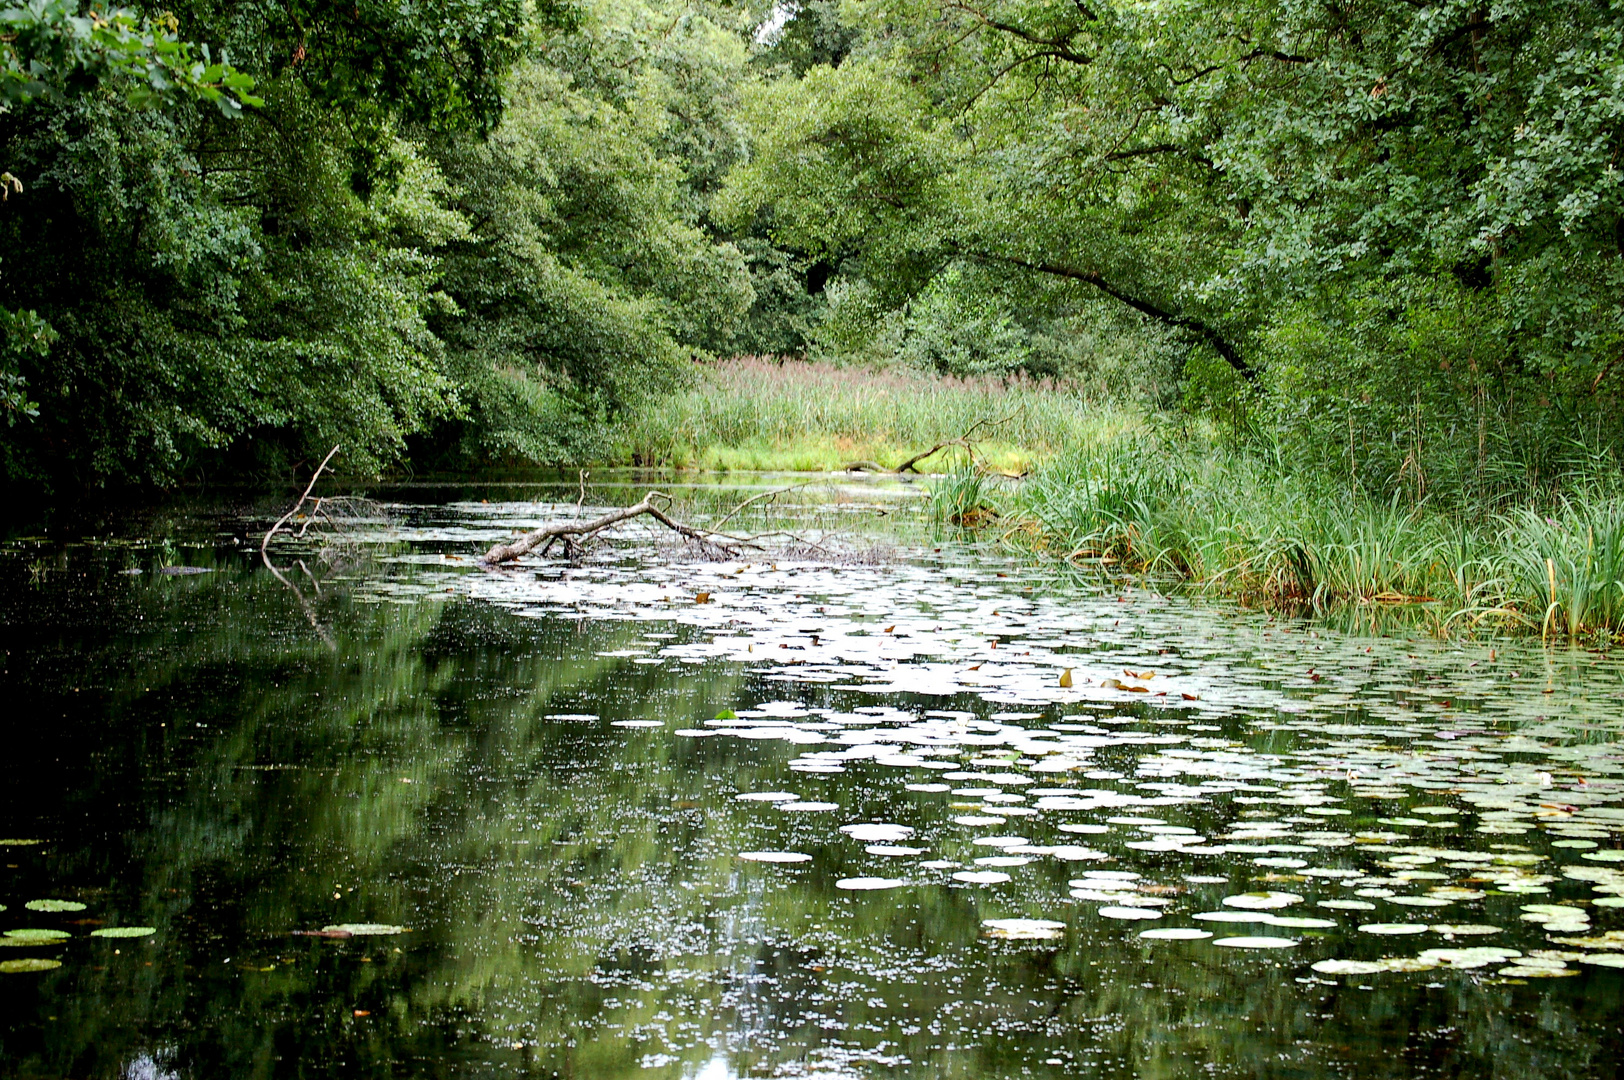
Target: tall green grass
(757, 413)
(1230, 522)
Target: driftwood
(964, 441)
(572, 532)
(265, 553)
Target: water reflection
(195, 759)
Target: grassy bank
(1229, 523)
(754, 413)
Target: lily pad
(32, 963)
(1393, 928)
(32, 934)
(867, 884)
(1024, 929)
(877, 833)
(1255, 942)
(1262, 901)
(1119, 912)
(364, 929)
(981, 877)
(774, 856)
(123, 931)
(1175, 933)
(54, 905)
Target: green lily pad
(32, 963)
(364, 929)
(19, 843)
(123, 931)
(32, 934)
(54, 905)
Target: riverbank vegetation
(1314, 286)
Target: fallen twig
(652, 504)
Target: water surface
(780, 832)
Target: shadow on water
(536, 773)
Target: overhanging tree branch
(1188, 323)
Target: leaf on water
(767, 796)
(19, 843)
(1464, 929)
(33, 963)
(31, 934)
(54, 905)
(1117, 912)
(808, 807)
(1023, 929)
(981, 877)
(1612, 960)
(865, 884)
(1393, 928)
(1175, 933)
(123, 931)
(893, 850)
(1255, 942)
(1065, 679)
(877, 832)
(1480, 956)
(1346, 905)
(1350, 967)
(1262, 901)
(702, 598)
(365, 929)
(726, 714)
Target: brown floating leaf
(1191, 697)
(1065, 679)
(890, 628)
(702, 598)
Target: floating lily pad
(767, 796)
(1393, 928)
(1480, 956)
(1347, 967)
(981, 877)
(1262, 901)
(123, 931)
(1346, 905)
(1175, 933)
(1464, 929)
(364, 929)
(896, 850)
(1024, 929)
(13, 842)
(1118, 912)
(808, 807)
(54, 905)
(877, 833)
(1612, 960)
(866, 884)
(1255, 942)
(31, 934)
(774, 856)
(32, 963)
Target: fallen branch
(964, 440)
(265, 554)
(652, 505)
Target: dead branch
(265, 554)
(964, 441)
(733, 513)
(572, 532)
(283, 520)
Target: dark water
(410, 741)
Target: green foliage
(49, 50)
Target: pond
(912, 810)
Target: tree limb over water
(571, 532)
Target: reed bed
(1227, 522)
(761, 413)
